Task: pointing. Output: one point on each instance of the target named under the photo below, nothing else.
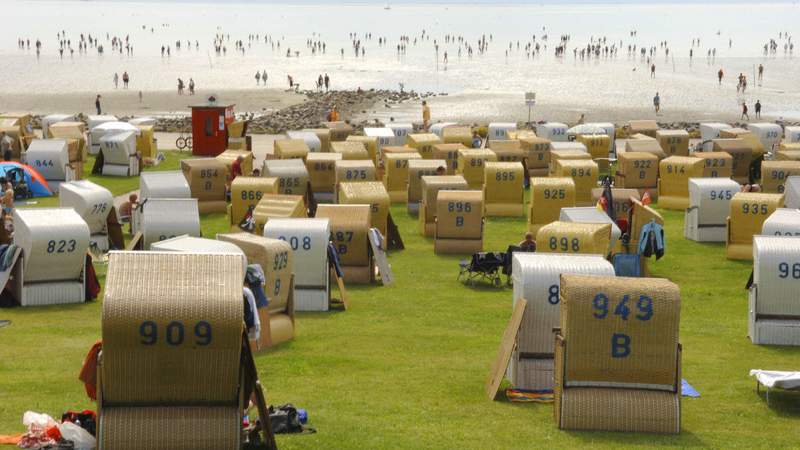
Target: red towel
(89, 370)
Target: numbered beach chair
(176, 372)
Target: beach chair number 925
(174, 333)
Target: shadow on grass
(624, 439)
(782, 402)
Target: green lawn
(405, 367)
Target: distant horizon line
(444, 2)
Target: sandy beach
(125, 103)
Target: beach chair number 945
(601, 307)
(174, 333)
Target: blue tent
(37, 185)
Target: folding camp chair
(484, 266)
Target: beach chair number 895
(174, 333)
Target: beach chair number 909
(61, 246)
(565, 244)
(295, 242)
(174, 333)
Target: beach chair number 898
(174, 333)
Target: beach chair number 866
(174, 333)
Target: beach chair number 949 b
(621, 342)
(175, 333)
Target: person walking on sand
(264, 77)
(657, 103)
(327, 80)
(333, 115)
(125, 79)
(760, 73)
(426, 115)
(180, 86)
(191, 86)
(758, 109)
(6, 146)
(744, 111)
(116, 80)
(291, 81)
(258, 78)
(653, 71)
(97, 105)
(720, 74)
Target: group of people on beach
(182, 86)
(126, 79)
(261, 76)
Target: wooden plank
(375, 241)
(6, 274)
(342, 290)
(135, 242)
(507, 345)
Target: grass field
(405, 367)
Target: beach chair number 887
(174, 333)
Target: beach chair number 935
(601, 308)
(174, 333)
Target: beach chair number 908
(295, 242)
(174, 333)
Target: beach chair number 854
(174, 333)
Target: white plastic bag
(39, 420)
(80, 437)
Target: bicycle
(183, 142)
